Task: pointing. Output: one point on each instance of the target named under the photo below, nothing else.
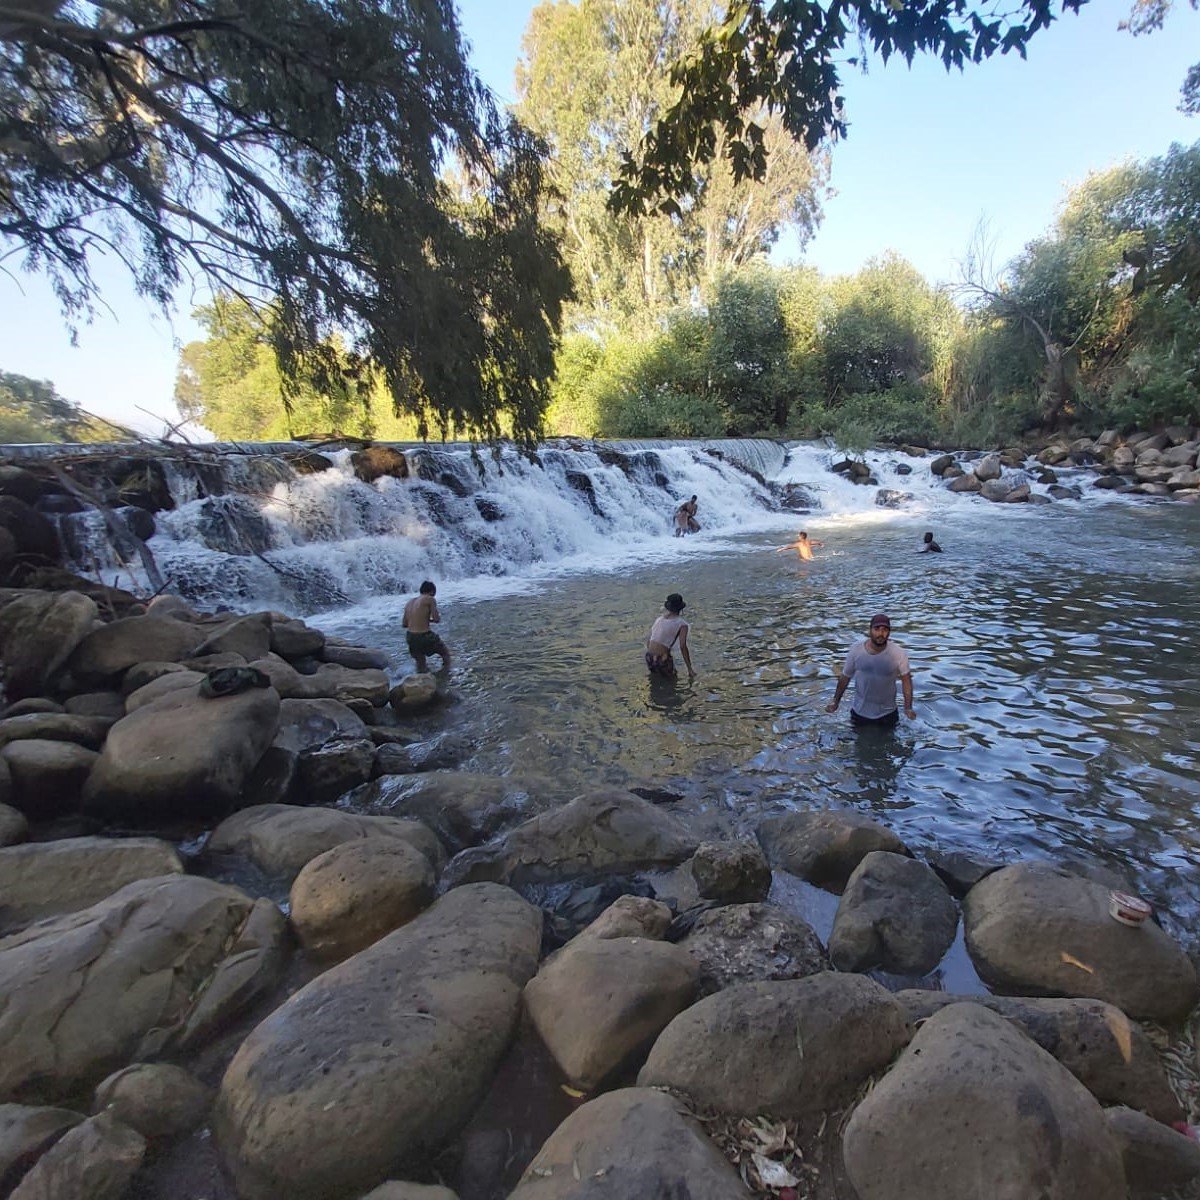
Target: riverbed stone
(327, 682)
(14, 828)
(38, 634)
(631, 1144)
(610, 831)
(988, 468)
(145, 672)
(733, 872)
(1036, 929)
(824, 846)
(1178, 480)
(352, 895)
(96, 704)
(1107, 1052)
(600, 1002)
(91, 991)
(159, 1100)
(95, 1160)
(323, 773)
(749, 943)
(35, 704)
(56, 727)
(292, 639)
(382, 1058)
(108, 651)
(248, 636)
(966, 482)
(281, 838)
(1158, 1160)
(42, 879)
(630, 917)
(304, 724)
(414, 693)
(48, 778)
(940, 463)
(895, 914)
(959, 871)
(26, 1133)
(358, 658)
(974, 1110)
(183, 754)
(800, 1046)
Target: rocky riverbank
(249, 948)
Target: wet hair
(803, 533)
(929, 536)
(428, 588)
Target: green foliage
(31, 410)
(299, 151)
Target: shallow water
(1054, 661)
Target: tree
(593, 80)
(31, 410)
(781, 58)
(291, 152)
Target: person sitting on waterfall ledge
(664, 633)
(803, 546)
(685, 518)
(422, 641)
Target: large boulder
(349, 897)
(896, 914)
(183, 754)
(1107, 1052)
(633, 1144)
(293, 639)
(159, 1100)
(323, 773)
(611, 831)
(304, 724)
(41, 879)
(248, 636)
(48, 778)
(824, 846)
(382, 1058)
(26, 1133)
(96, 1160)
(988, 468)
(86, 993)
(56, 727)
(600, 1002)
(162, 685)
(108, 651)
(1158, 1160)
(1036, 929)
(38, 633)
(328, 682)
(800, 1046)
(975, 1111)
(281, 838)
(751, 943)
(732, 872)
(968, 483)
(14, 827)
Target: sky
(929, 156)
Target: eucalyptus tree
(291, 152)
(593, 80)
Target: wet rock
(357, 658)
(1052, 455)
(38, 634)
(33, 533)
(801, 1045)
(248, 636)
(183, 754)
(1110, 483)
(306, 724)
(735, 872)
(55, 727)
(1033, 928)
(48, 778)
(293, 639)
(1061, 492)
(16, 481)
(323, 773)
(382, 1057)
(352, 895)
(632, 1143)
(988, 468)
(86, 993)
(1182, 479)
(1109, 1054)
(939, 464)
(600, 1002)
(414, 693)
(165, 685)
(1158, 1161)
(630, 917)
(974, 1110)
(282, 838)
(583, 484)
(376, 462)
(751, 943)
(995, 490)
(611, 831)
(96, 1160)
(824, 846)
(890, 498)
(965, 483)
(97, 704)
(106, 652)
(328, 682)
(903, 469)
(960, 872)
(489, 510)
(159, 1100)
(1020, 494)
(26, 1133)
(14, 828)
(42, 879)
(896, 914)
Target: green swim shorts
(425, 643)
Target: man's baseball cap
(881, 619)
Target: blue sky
(929, 155)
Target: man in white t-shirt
(875, 665)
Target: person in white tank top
(667, 631)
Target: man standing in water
(669, 629)
(875, 665)
(803, 546)
(419, 612)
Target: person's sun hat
(675, 603)
(881, 619)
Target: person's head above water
(929, 536)
(428, 588)
(674, 603)
(803, 536)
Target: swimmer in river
(419, 612)
(930, 546)
(670, 628)
(803, 545)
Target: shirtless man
(803, 545)
(670, 629)
(685, 517)
(419, 612)
(930, 546)
(875, 665)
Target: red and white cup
(1129, 910)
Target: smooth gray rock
(26, 1133)
(824, 846)
(38, 634)
(159, 1100)
(733, 872)
(1157, 1159)
(48, 778)
(96, 1160)
(89, 732)
(112, 649)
